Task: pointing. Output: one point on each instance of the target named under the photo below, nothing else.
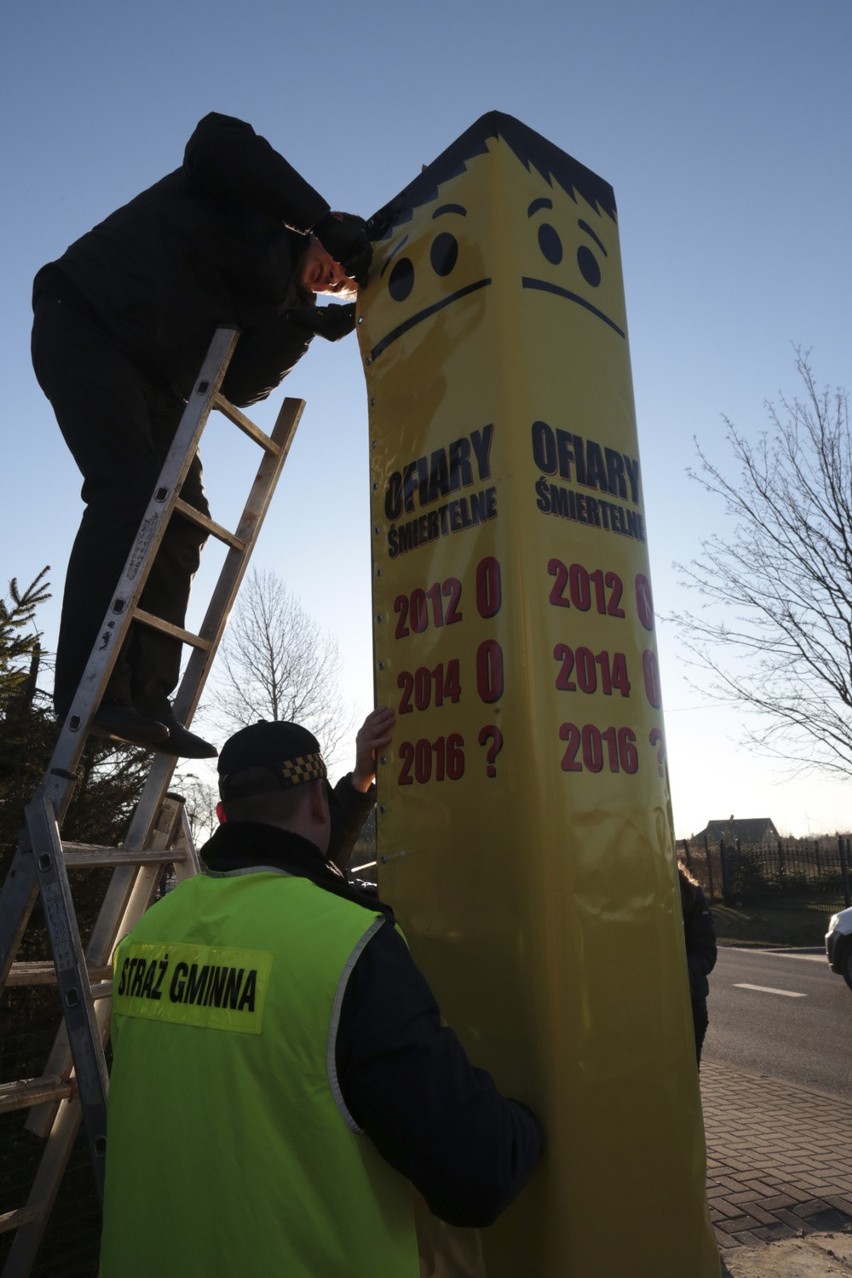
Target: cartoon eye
(550, 243)
(588, 265)
(444, 253)
(401, 279)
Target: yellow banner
(525, 831)
(212, 987)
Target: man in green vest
(281, 1077)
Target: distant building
(748, 831)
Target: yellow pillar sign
(525, 835)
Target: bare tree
(200, 797)
(274, 663)
(783, 578)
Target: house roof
(747, 830)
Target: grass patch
(787, 924)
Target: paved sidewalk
(779, 1167)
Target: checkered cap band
(268, 755)
(309, 767)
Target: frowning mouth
(412, 320)
(546, 287)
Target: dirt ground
(815, 1256)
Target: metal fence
(781, 870)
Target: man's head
(273, 772)
(317, 272)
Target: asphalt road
(796, 1025)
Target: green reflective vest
(229, 1146)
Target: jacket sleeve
(263, 358)
(700, 936)
(227, 160)
(349, 812)
(432, 1115)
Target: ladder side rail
(44, 1189)
(123, 896)
(120, 902)
(128, 895)
(72, 978)
(17, 898)
(123, 914)
(191, 864)
(143, 821)
(19, 890)
(114, 908)
(69, 745)
(236, 560)
(130, 889)
(213, 626)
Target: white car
(838, 944)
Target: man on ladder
(122, 321)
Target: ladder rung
(43, 972)
(88, 856)
(245, 424)
(166, 628)
(20, 1216)
(204, 521)
(32, 1091)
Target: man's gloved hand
(330, 322)
(344, 236)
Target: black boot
(121, 721)
(185, 744)
(180, 741)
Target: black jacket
(700, 937)
(404, 1076)
(215, 242)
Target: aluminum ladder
(75, 1080)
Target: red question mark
(491, 732)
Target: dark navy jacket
(404, 1076)
(215, 242)
(700, 937)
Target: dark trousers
(700, 1021)
(119, 428)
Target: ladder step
(89, 856)
(20, 1216)
(166, 628)
(43, 972)
(32, 1091)
(204, 521)
(245, 424)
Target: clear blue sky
(723, 128)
